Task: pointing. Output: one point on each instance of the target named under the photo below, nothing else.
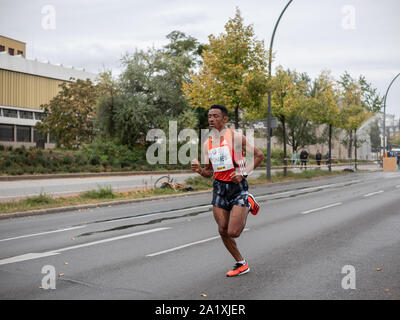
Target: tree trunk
(350, 154)
(355, 150)
(112, 126)
(237, 117)
(330, 147)
(284, 146)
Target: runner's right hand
(195, 165)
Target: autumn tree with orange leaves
(233, 73)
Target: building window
(11, 51)
(23, 134)
(2, 48)
(26, 115)
(10, 113)
(20, 52)
(38, 116)
(52, 139)
(6, 132)
(37, 136)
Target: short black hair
(223, 109)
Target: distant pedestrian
(303, 159)
(327, 158)
(318, 157)
(294, 158)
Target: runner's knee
(234, 233)
(223, 232)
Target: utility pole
(269, 129)
(384, 115)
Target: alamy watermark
(349, 280)
(48, 17)
(184, 146)
(349, 17)
(49, 280)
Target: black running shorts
(227, 194)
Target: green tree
(69, 116)
(375, 136)
(148, 93)
(300, 132)
(370, 99)
(324, 108)
(283, 104)
(233, 72)
(353, 111)
(107, 104)
(289, 104)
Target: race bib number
(220, 158)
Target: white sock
(242, 262)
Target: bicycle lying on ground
(168, 182)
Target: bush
(95, 160)
(68, 160)
(102, 155)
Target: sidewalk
(141, 173)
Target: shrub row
(101, 156)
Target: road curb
(94, 205)
(90, 174)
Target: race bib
(220, 158)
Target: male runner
(231, 199)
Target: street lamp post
(269, 95)
(384, 115)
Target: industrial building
(25, 85)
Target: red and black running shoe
(254, 206)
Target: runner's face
(216, 120)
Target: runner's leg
(222, 217)
(237, 221)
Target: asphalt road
(297, 247)
(13, 190)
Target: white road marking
(372, 193)
(391, 175)
(30, 256)
(186, 245)
(309, 189)
(321, 208)
(111, 239)
(42, 233)
(318, 187)
(112, 221)
(274, 194)
(160, 213)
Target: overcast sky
(362, 37)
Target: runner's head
(217, 116)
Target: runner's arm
(258, 156)
(207, 171)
